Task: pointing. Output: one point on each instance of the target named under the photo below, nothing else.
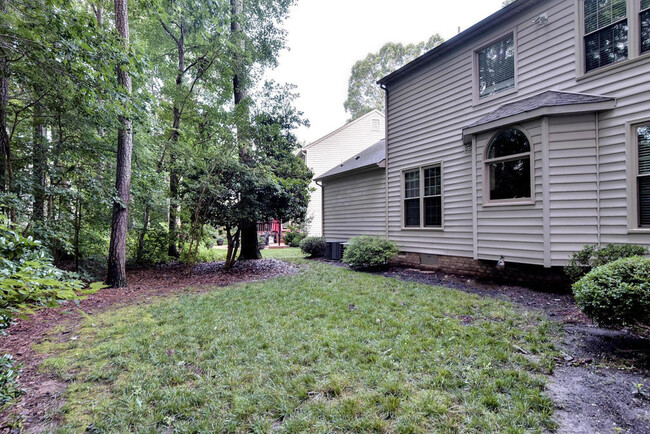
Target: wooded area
(133, 136)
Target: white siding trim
(474, 198)
(546, 190)
(632, 172)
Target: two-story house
(525, 137)
(333, 149)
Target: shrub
(617, 293)
(9, 372)
(294, 239)
(366, 252)
(313, 246)
(28, 280)
(591, 257)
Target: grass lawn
(326, 350)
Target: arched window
(508, 165)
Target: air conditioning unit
(334, 250)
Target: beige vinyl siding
(338, 146)
(354, 205)
(515, 232)
(429, 107)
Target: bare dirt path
(42, 390)
(602, 381)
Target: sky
(326, 37)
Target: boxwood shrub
(591, 257)
(366, 252)
(617, 293)
(313, 246)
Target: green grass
(290, 355)
(214, 255)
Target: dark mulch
(42, 390)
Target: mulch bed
(42, 390)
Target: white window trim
(487, 202)
(422, 227)
(633, 39)
(632, 174)
(477, 100)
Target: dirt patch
(43, 391)
(601, 383)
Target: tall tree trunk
(143, 233)
(4, 102)
(38, 163)
(249, 243)
(77, 231)
(117, 251)
(173, 139)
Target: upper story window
(645, 26)
(508, 166)
(423, 197)
(606, 32)
(642, 134)
(496, 67)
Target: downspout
(383, 86)
(598, 229)
(322, 208)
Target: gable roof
(336, 131)
(546, 103)
(373, 156)
(513, 9)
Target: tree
(117, 249)
(364, 94)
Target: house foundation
(532, 276)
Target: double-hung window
(645, 26)
(496, 67)
(423, 197)
(642, 137)
(606, 32)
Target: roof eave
(537, 113)
(326, 177)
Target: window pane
(432, 181)
(645, 4)
(606, 46)
(412, 212)
(509, 179)
(412, 184)
(643, 139)
(645, 30)
(602, 13)
(433, 211)
(497, 67)
(644, 201)
(508, 142)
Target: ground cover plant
(325, 350)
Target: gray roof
(372, 156)
(549, 98)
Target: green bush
(313, 246)
(591, 256)
(365, 252)
(28, 280)
(617, 293)
(294, 239)
(9, 373)
(155, 246)
(206, 255)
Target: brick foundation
(533, 276)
